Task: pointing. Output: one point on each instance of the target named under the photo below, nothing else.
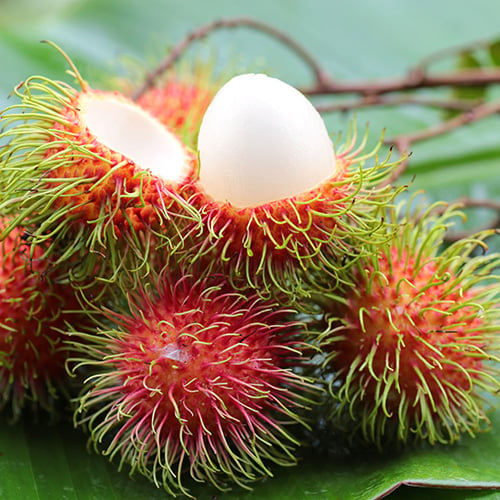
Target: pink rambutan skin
(411, 320)
(410, 346)
(32, 314)
(197, 378)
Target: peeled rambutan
(413, 345)
(34, 308)
(193, 379)
(91, 172)
(275, 198)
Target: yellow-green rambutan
(193, 379)
(413, 345)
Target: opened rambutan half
(193, 379)
(91, 172)
(413, 345)
(34, 308)
(275, 198)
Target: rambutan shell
(117, 175)
(277, 203)
(67, 183)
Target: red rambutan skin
(80, 198)
(409, 348)
(179, 105)
(32, 310)
(420, 334)
(196, 379)
(267, 244)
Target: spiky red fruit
(194, 380)
(91, 172)
(413, 344)
(179, 104)
(276, 201)
(34, 308)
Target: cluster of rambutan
(174, 256)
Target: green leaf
(42, 461)
(494, 51)
(467, 60)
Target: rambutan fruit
(275, 198)
(180, 102)
(413, 345)
(34, 307)
(193, 379)
(90, 172)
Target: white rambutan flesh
(126, 128)
(262, 140)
